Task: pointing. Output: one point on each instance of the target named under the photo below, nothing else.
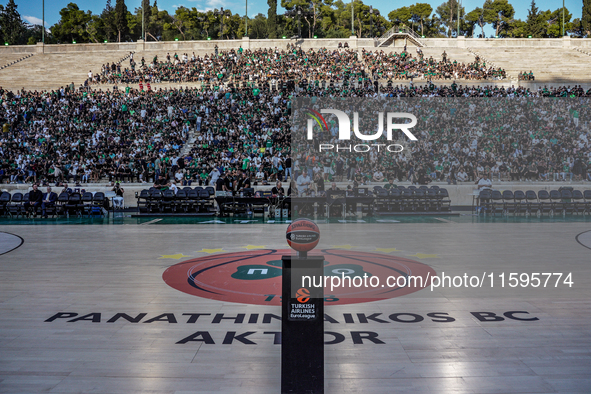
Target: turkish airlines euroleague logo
(303, 295)
(254, 277)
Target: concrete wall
(462, 42)
(164, 46)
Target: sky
(31, 10)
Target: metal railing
(396, 30)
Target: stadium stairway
(191, 138)
(584, 51)
(12, 59)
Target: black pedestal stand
(302, 325)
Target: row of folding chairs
(186, 200)
(556, 202)
(67, 204)
(412, 199)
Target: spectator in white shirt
(303, 182)
(214, 175)
(179, 176)
(462, 176)
(378, 176)
(484, 183)
(174, 187)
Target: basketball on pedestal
(303, 235)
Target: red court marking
(254, 277)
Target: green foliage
(321, 18)
(155, 24)
(72, 25)
(586, 18)
(121, 20)
(499, 13)
(108, 22)
(309, 13)
(95, 29)
(420, 13)
(33, 35)
(400, 16)
(272, 19)
(257, 27)
(576, 28)
(416, 16)
(12, 27)
(516, 29)
(475, 18)
(448, 13)
(553, 21)
(535, 23)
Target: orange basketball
(303, 235)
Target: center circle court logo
(254, 277)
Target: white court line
(444, 220)
(151, 222)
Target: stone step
(52, 71)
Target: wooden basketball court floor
(64, 289)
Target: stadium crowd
(139, 134)
(266, 65)
(173, 69)
(404, 66)
(460, 140)
(85, 135)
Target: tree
(576, 28)
(72, 25)
(362, 18)
(208, 23)
(310, 13)
(448, 12)
(420, 12)
(145, 12)
(314, 15)
(121, 19)
(182, 20)
(498, 13)
(535, 24)
(516, 28)
(134, 25)
(272, 18)
(553, 22)
(12, 26)
(336, 20)
(95, 28)
(586, 18)
(154, 25)
(258, 27)
(400, 15)
(108, 19)
(223, 20)
(476, 17)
